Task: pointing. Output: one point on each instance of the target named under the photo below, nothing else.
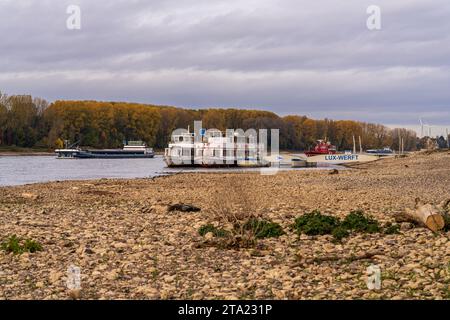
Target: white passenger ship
(215, 150)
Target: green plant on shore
(17, 245)
(257, 228)
(263, 228)
(446, 292)
(447, 222)
(32, 246)
(315, 223)
(339, 233)
(217, 232)
(390, 228)
(235, 209)
(154, 274)
(359, 222)
(12, 245)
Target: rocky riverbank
(128, 245)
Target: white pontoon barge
(215, 150)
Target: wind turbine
(427, 125)
(421, 127)
(430, 128)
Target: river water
(32, 169)
(20, 170)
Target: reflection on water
(33, 169)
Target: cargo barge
(132, 150)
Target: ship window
(186, 152)
(176, 152)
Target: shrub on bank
(340, 233)
(220, 233)
(263, 228)
(359, 222)
(390, 228)
(17, 245)
(243, 234)
(315, 223)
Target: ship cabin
(213, 149)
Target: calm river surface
(20, 170)
(32, 169)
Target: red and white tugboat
(322, 147)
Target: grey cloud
(290, 56)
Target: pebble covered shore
(129, 247)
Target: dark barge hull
(113, 155)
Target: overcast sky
(314, 58)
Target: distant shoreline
(25, 154)
(19, 151)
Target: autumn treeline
(32, 122)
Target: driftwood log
(425, 214)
